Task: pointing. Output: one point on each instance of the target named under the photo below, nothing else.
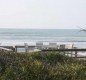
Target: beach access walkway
(72, 52)
(67, 51)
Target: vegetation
(40, 66)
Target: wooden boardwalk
(79, 49)
(70, 51)
(66, 51)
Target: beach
(32, 45)
(13, 37)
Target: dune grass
(40, 66)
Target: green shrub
(40, 66)
(67, 72)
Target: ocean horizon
(53, 35)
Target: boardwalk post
(75, 54)
(26, 47)
(15, 48)
(71, 54)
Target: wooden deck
(64, 49)
(75, 51)
(67, 50)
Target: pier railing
(69, 51)
(72, 52)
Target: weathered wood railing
(67, 50)
(75, 51)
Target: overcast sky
(42, 13)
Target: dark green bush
(40, 66)
(67, 72)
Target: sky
(43, 14)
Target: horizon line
(38, 28)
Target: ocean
(55, 35)
(16, 36)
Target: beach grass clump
(68, 72)
(53, 57)
(48, 65)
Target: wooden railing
(74, 51)
(67, 50)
